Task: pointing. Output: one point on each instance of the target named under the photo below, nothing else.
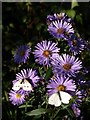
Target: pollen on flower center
(60, 30)
(59, 15)
(22, 53)
(67, 66)
(61, 88)
(46, 53)
(74, 42)
(18, 96)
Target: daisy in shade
(50, 18)
(25, 80)
(76, 44)
(80, 96)
(22, 54)
(66, 65)
(57, 16)
(62, 16)
(44, 51)
(60, 84)
(76, 110)
(60, 29)
(16, 98)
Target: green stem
(56, 113)
(16, 114)
(26, 107)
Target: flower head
(76, 44)
(76, 110)
(17, 98)
(58, 16)
(22, 54)
(60, 29)
(60, 84)
(28, 74)
(44, 51)
(66, 65)
(78, 96)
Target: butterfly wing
(26, 85)
(65, 97)
(54, 100)
(17, 85)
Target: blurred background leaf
(74, 4)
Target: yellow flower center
(67, 66)
(18, 96)
(75, 111)
(22, 53)
(74, 42)
(59, 15)
(61, 88)
(46, 53)
(60, 30)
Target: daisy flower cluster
(24, 84)
(63, 85)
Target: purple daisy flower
(44, 51)
(79, 96)
(17, 98)
(76, 110)
(60, 29)
(28, 74)
(60, 84)
(57, 16)
(22, 54)
(76, 44)
(66, 65)
(50, 18)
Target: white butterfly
(57, 98)
(24, 84)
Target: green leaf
(71, 13)
(41, 71)
(79, 18)
(36, 112)
(74, 4)
(70, 112)
(48, 73)
(64, 106)
(23, 106)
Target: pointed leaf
(23, 106)
(70, 112)
(48, 73)
(36, 112)
(79, 19)
(71, 13)
(74, 4)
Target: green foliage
(74, 4)
(71, 13)
(24, 106)
(48, 73)
(36, 112)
